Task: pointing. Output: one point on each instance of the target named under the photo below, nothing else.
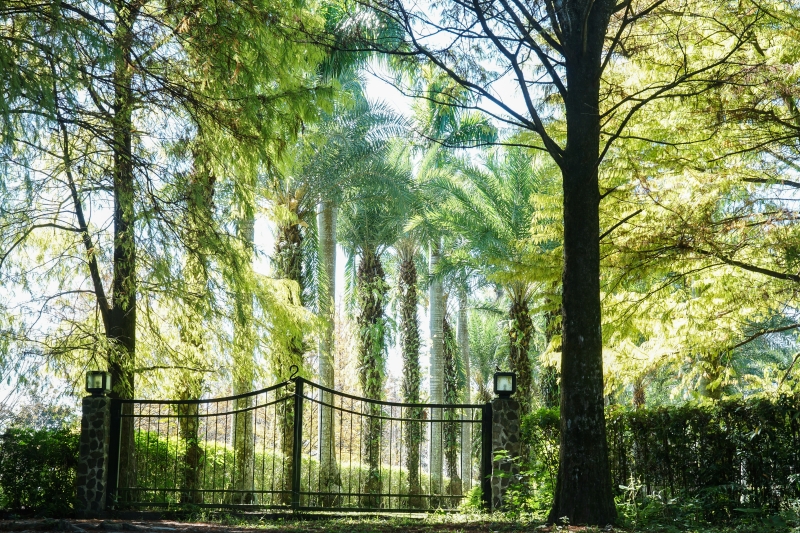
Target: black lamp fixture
(98, 382)
(505, 384)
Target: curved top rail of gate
(209, 400)
(302, 446)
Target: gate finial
(293, 370)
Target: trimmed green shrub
(158, 477)
(38, 470)
(724, 460)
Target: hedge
(38, 470)
(734, 455)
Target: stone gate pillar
(505, 438)
(93, 458)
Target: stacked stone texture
(505, 437)
(93, 456)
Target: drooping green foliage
(129, 97)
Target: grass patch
(476, 523)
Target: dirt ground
(280, 526)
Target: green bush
(158, 478)
(38, 469)
(690, 463)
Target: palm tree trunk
(371, 290)
(410, 342)
(712, 368)
(243, 376)
(437, 369)
(451, 396)
(330, 478)
(520, 333)
(548, 382)
(462, 337)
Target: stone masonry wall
(505, 436)
(93, 455)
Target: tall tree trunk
(288, 261)
(189, 425)
(122, 315)
(371, 290)
(410, 342)
(288, 254)
(451, 396)
(462, 336)
(520, 332)
(583, 488)
(711, 368)
(639, 395)
(436, 312)
(243, 376)
(330, 477)
(549, 375)
(199, 198)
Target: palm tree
(461, 278)
(456, 129)
(488, 350)
(334, 155)
(372, 221)
(451, 385)
(490, 206)
(407, 249)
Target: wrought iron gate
(299, 446)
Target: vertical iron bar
(175, 484)
(311, 405)
(486, 456)
(297, 441)
(274, 445)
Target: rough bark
(452, 433)
(410, 343)
(583, 488)
(330, 478)
(122, 315)
(549, 391)
(436, 313)
(243, 376)
(371, 290)
(288, 256)
(462, 337)
(193, 454)
(199, 205)
(639, 395)
(711, 368)
(520, 332)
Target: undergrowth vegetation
(734, 462)
(38, 470)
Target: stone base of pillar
(505, 447)
(92, 475)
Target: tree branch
(751, 338)
(621, 222)
(788, 183)
(744, 266)
(94, 270)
